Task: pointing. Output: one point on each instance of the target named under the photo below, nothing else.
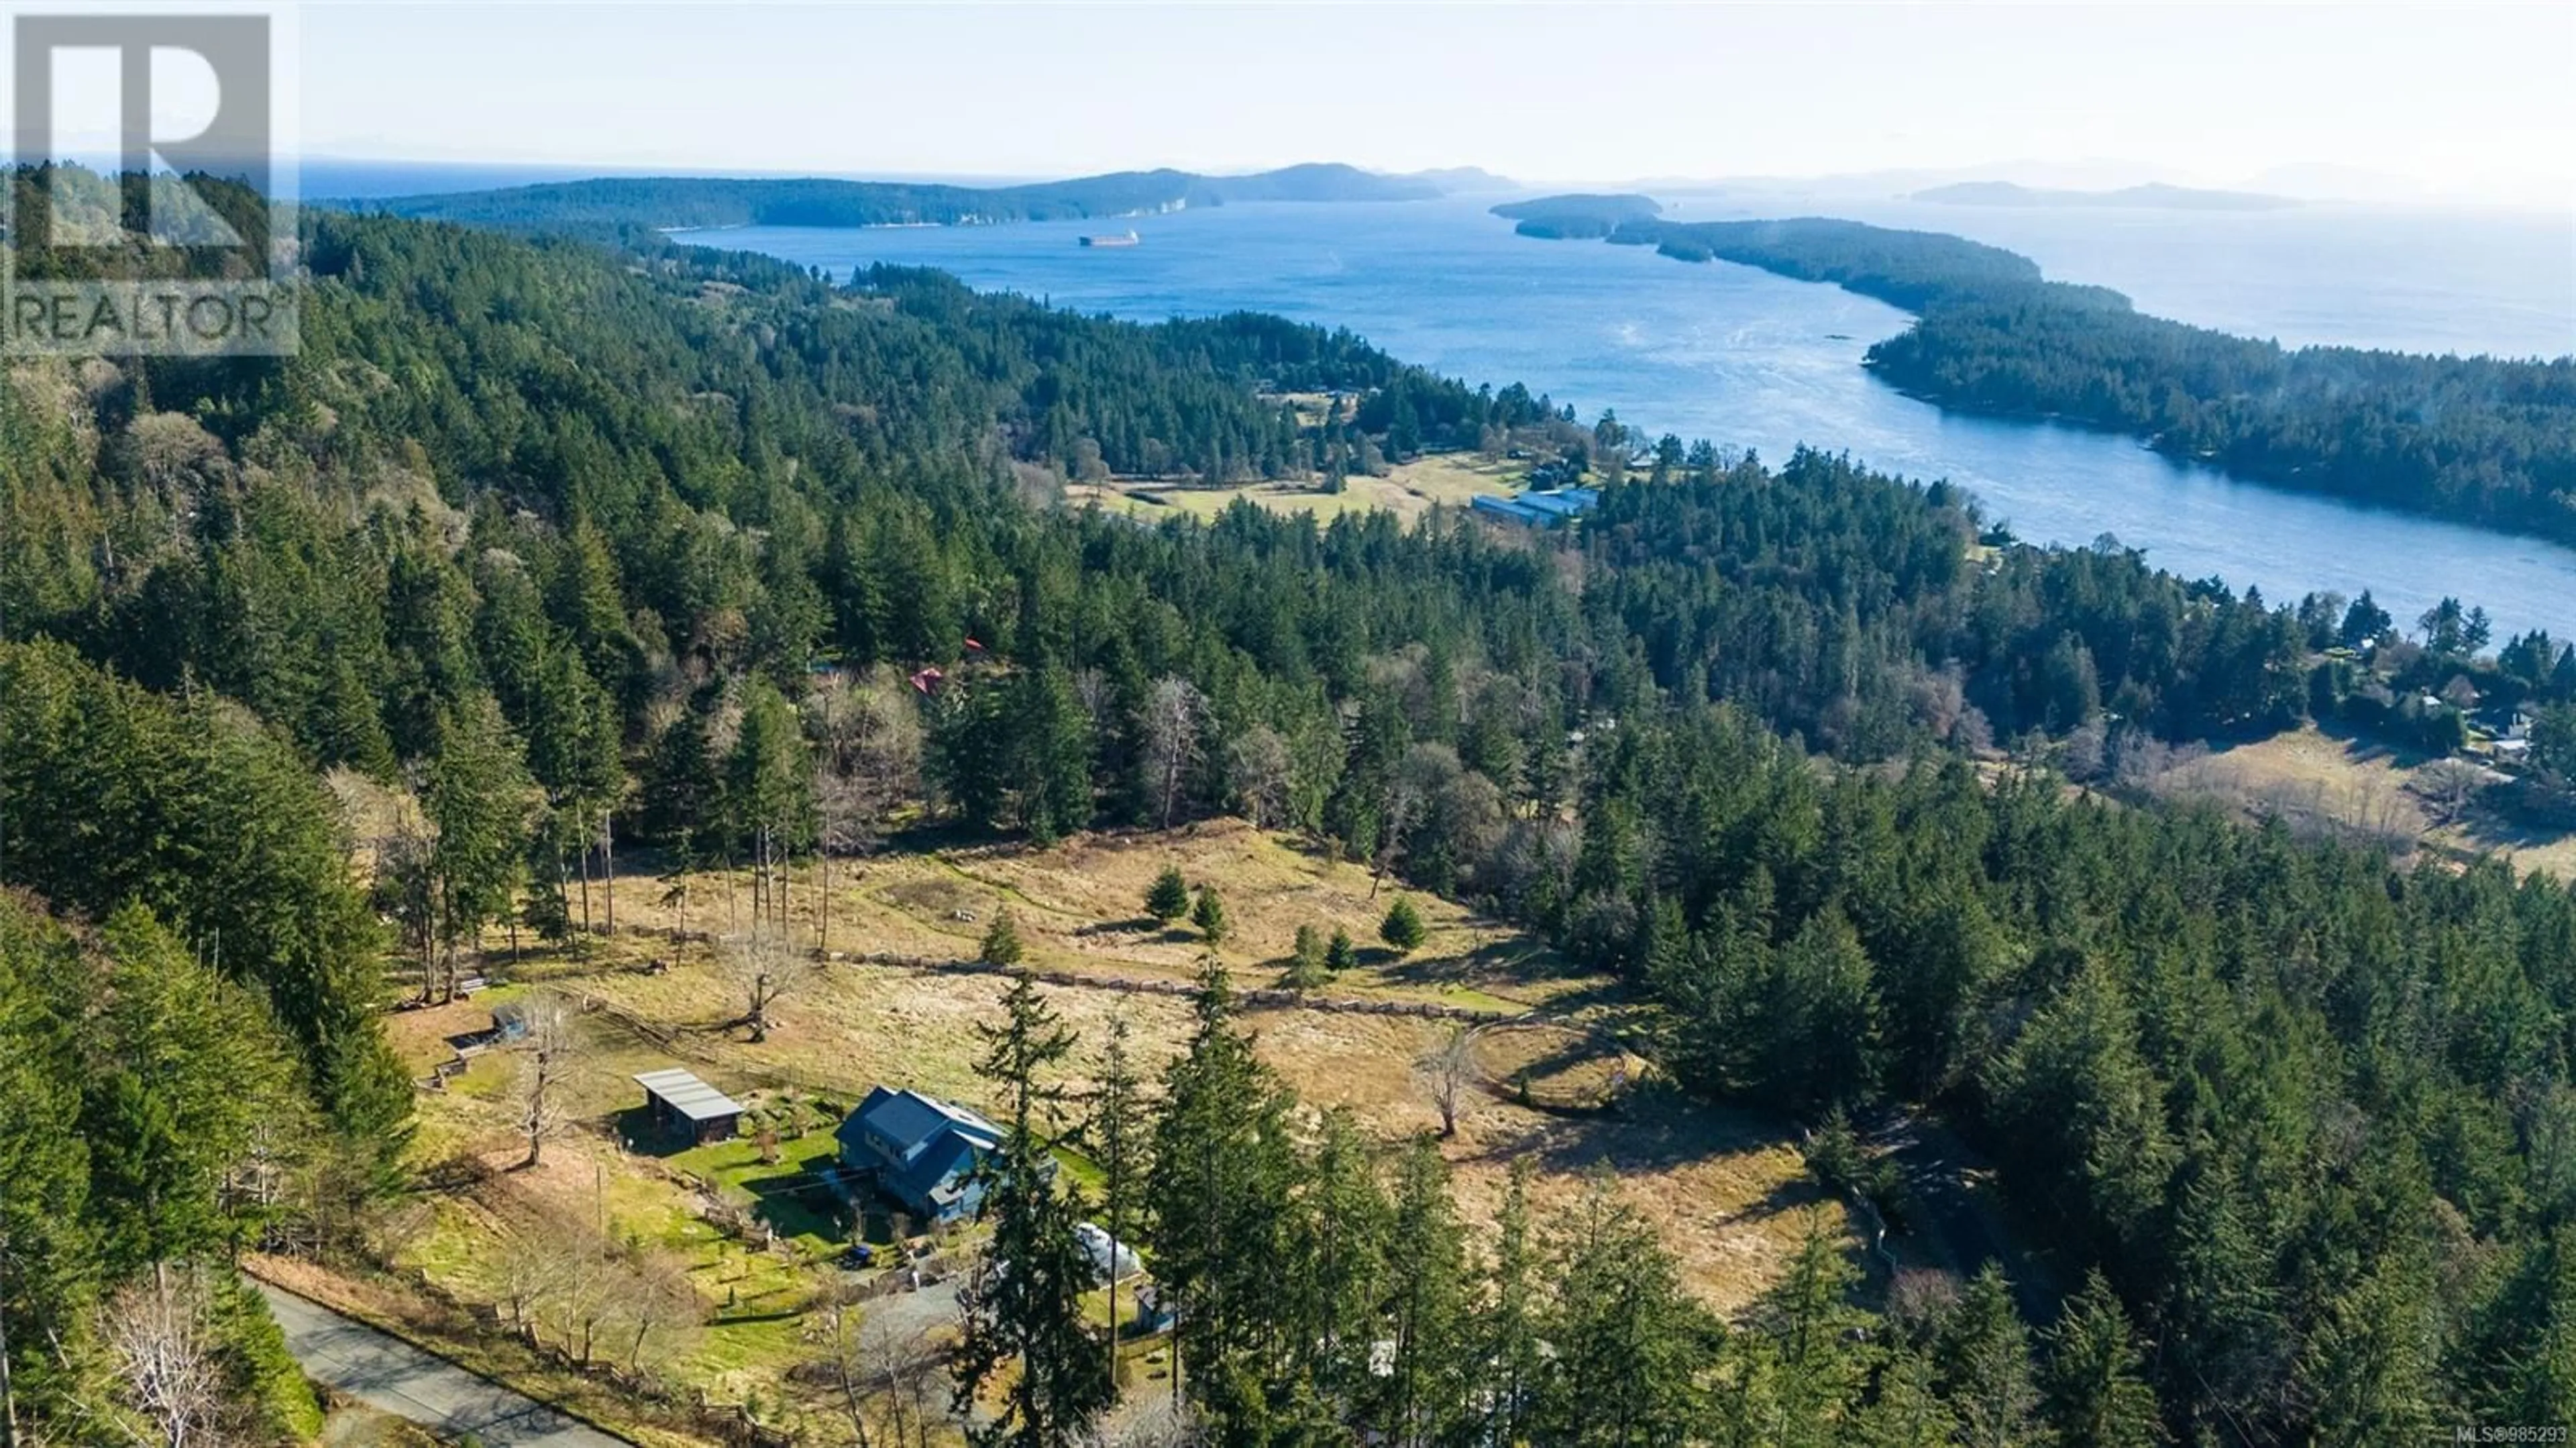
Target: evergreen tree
(768, 796)
(1055, 756)
(1338, 1273)
(2092, 1383)
(476, 795)
(2370, 1367)
(1340, 954)
(1509, 1359)
(1804, 1360)
(1630, 1344)
(1422, 1397)
(1169, 897)
(1209, 916)
(1223, 1168)
(187, 1075)
(1024, 1306)
(1119, 1129)
(1001, 945)
(1984, 1356)
(1403, 928)
(1820, 1028)
(1306, 969)
(1905, 1408)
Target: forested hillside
(2483, 440)
(616, 203)
(556, 540)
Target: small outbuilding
(683, 1107)
(1111, 1259)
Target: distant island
(2154, 195)
(683, 203)
(2478, 440)
(1578, 216)
(1465, 180)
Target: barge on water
(1128, 238)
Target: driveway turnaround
(392, 1376)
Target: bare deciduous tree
(1160, 1421)
(158, 1336)
(653, 1308)
(550, 1053)
(578, 1296)
(1449, 1070)
(1257, 773)
(1174, 715)
(1091, 688)
(560, 1278)
(2450, 786)
(763, 968)
(891, 1386)
(844, 825)
(844, 1363)
(867, 762)
(403, 890)
(1400, 812)
(530, 1273)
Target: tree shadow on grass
(1499, 967)
(636, 1128)
(1140, 925)
(796, 1202)
(1649, 1130)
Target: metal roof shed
(682, 1105)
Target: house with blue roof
(921, 1151)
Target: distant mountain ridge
(674, 203)
(2154, 194)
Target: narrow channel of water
(1749, 360)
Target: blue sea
(1757, 362)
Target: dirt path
(392, 1376)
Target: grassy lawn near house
(783, 1187)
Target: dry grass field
(1408, 490)
(1726, 1190)
(2344, 783)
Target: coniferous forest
(558, 536)
(2483, 440)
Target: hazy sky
(2463, 96)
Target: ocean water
(1753, 361)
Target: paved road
(912, 1314)
(386, 1373)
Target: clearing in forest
(1726, 1190)
(1408, 490)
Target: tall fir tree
(2093, 1382)
(1422, 1394)
(1224, 1165)
(1024, 1319)
(477, 796)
